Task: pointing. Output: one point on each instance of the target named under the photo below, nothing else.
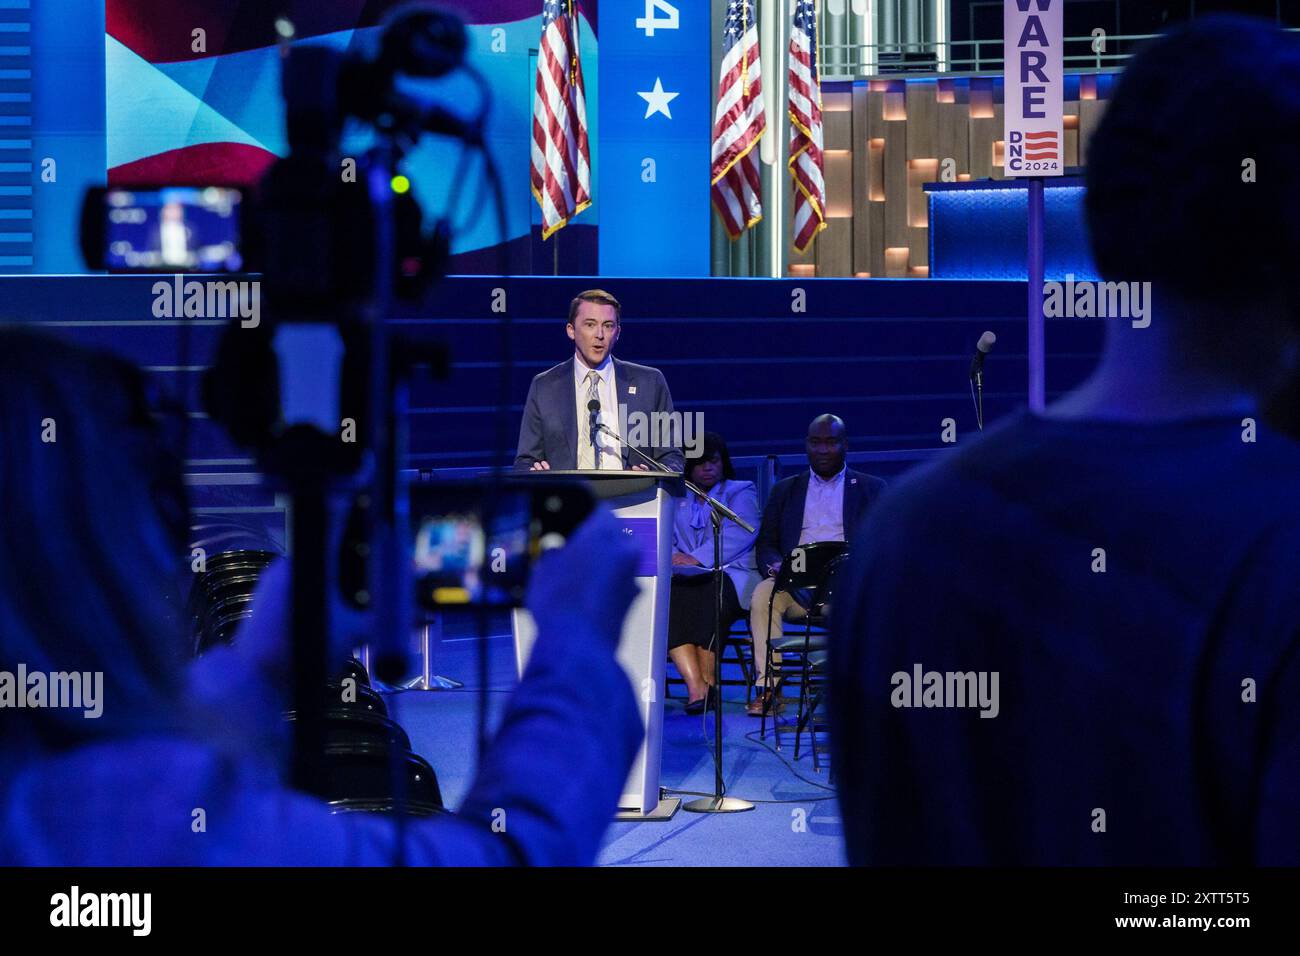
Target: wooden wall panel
(1089, 116)
(875, 113)
(875, 258)
(834, 248)
(999, 131)
(861, 180)
(954, 135)
(895, 184)
(982, 134)
(1070, 148)
(922, 121)
(836, 100)
(837, 129)
(896, 262)
(834, 244)
(918, 240)
(838, 174)
(877, 175)
(895, 101)
(864, 236)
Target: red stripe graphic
(234, 163)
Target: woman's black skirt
(690, 610)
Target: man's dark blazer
(783, 516)
(549, 430)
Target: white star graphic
(657, 100)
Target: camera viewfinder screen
(459, 561)
(173, 229)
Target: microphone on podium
(664, 469)
(593, 409)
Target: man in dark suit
(559, 427)
(821, 504)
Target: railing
(938, 58)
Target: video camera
(318, 388)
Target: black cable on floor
(696, 793)
(788, 766)
(776, 753)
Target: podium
(645, 503)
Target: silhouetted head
(93, 554)
(1193, 173)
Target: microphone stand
(982, 347)
(719, 802)
(977, 385)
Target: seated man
(821, 504)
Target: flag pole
(1037, 334)
(774, 40)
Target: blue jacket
(569, 734)
(693, 535)
(549, 429)
(783, 516)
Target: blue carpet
(795, 821)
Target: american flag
(561, 173)
(806, 127)
(738, 123)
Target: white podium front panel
(647, 513)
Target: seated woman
(690, 615)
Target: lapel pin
(631, 389)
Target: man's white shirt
(611, 457)
(823, 509)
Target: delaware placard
(1033, 82)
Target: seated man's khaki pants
(784, 607)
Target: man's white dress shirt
(611, 456)
(823, 509)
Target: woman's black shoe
(696, 707)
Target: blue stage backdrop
(182, 107)
(655, 138)
(889, 356)
(142, 91)
(174, 91)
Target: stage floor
(796, 824)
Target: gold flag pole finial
(573, 56)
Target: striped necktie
(589, 452)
